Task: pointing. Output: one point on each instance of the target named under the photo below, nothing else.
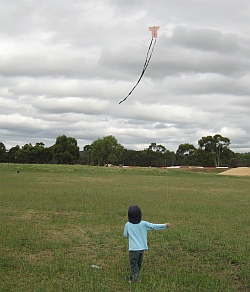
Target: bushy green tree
(241, 159)
(65, 150)
(23, 155)
(133, 157)
(216, 145)
(106, 151)
(186, 154)
(2, 152)
(11, 154)
(158, 155)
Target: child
(136, 232)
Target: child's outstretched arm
(125, 233)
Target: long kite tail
(148, 57)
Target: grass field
(58, 220)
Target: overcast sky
(65, 66)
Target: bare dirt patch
(239, 171)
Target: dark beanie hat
(134, 214)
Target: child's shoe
(131, 279)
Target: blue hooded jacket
(136, 229)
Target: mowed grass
(58, 220)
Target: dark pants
(135, 259)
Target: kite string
(148, 59)
(144, 68)
(145, 63)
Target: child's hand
(168, 224)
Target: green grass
(58, 220)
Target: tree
(106, 150)
(154, 154)
(37, 153)
(65, 150)
(48, 154)
(185, 149)
(158, 155)
(23, 155)
(133, 158)
(186, 154)
(205, 158)
(2, 152)
(216, 145)
(11, 154)
(86, 154)
(242, 159)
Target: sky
(65, 66)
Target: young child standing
(136, 232)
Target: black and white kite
(153, 30)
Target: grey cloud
(70, 104)
(205, 39)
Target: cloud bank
(64, 68)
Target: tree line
(211, 151)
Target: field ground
(59, 220)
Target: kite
(153, 30)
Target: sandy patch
(239, 171)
